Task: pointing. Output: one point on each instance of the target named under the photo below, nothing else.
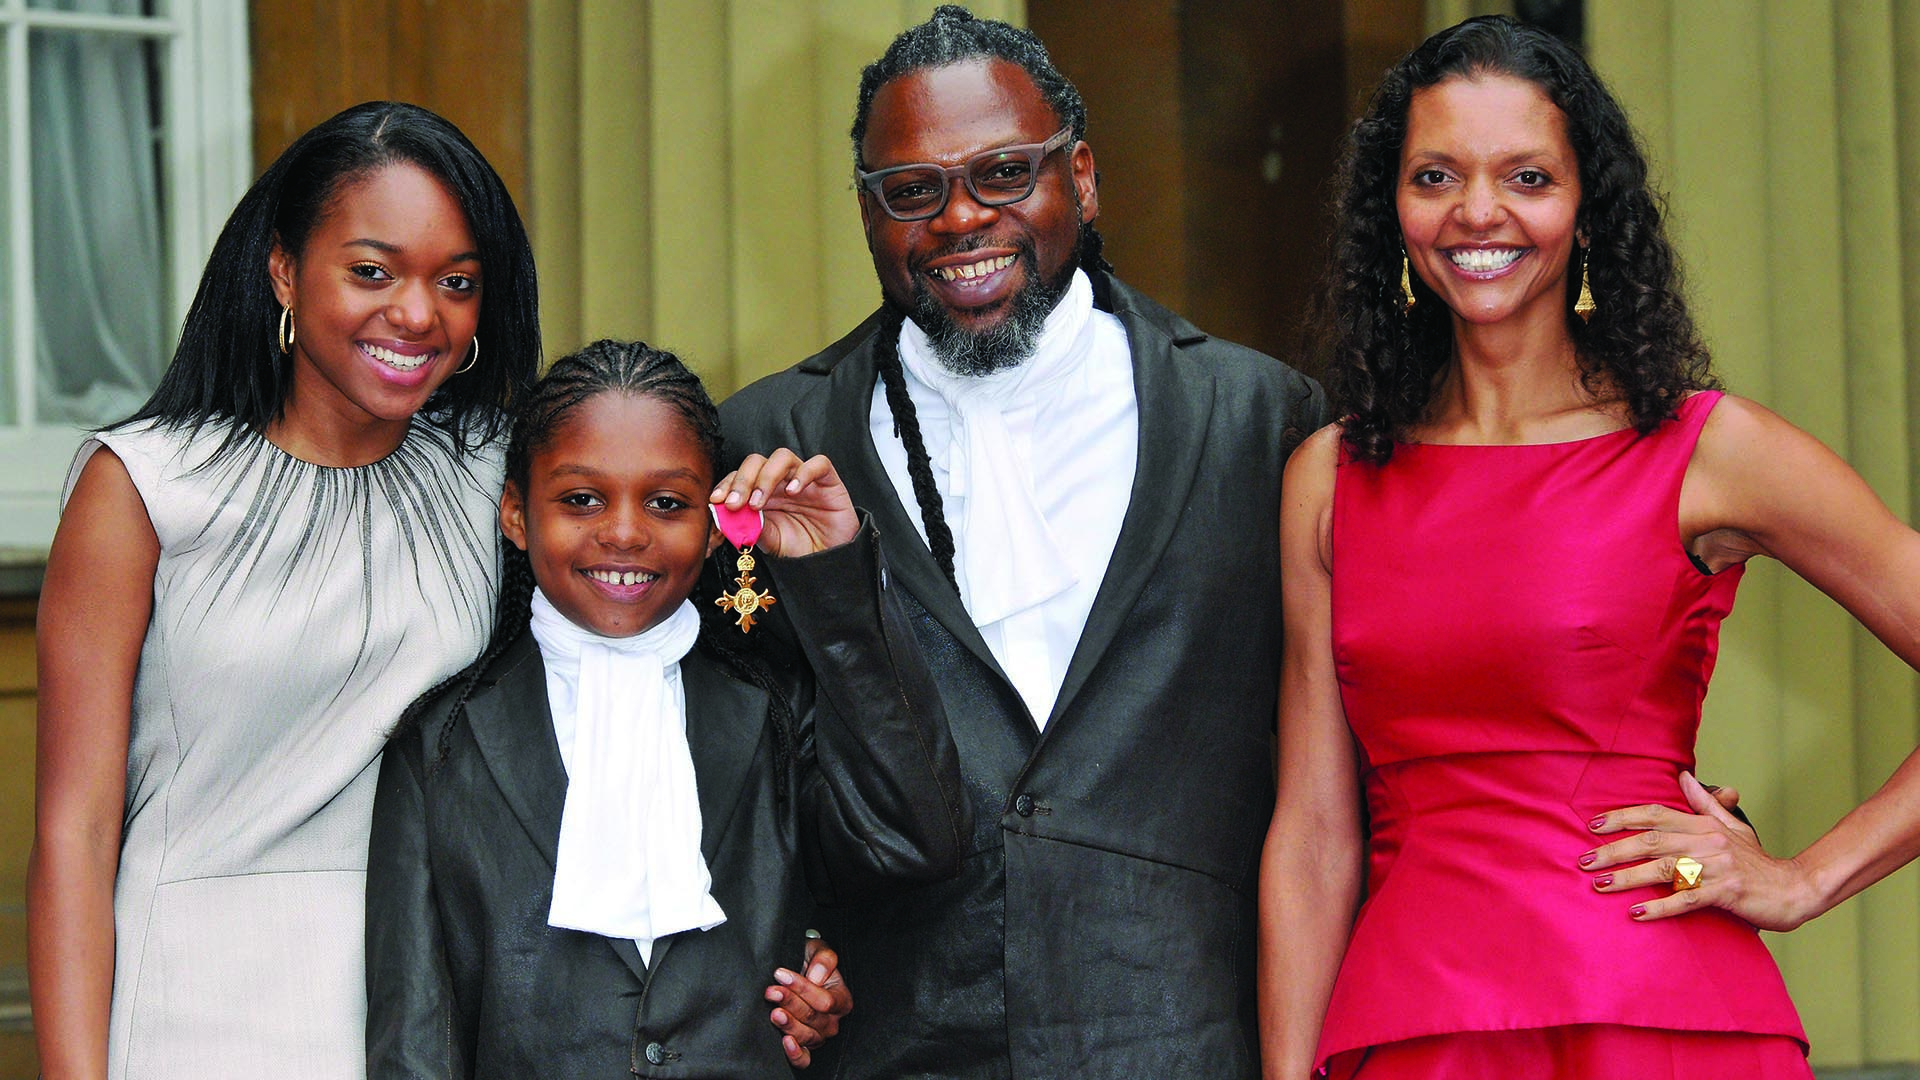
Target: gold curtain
(692, 176)
(1782, 132)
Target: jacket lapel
(513, 727)
(1175, 400)
(841, 430)
(726, 722)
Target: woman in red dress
(1505, 572)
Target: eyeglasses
(993, 177)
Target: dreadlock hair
(906, 427)
(953, 35)
(228, 365)
(604, 367)
(1641, 342)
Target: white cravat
(1013, 559)
(1030, 553)
(629, 862)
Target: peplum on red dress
(1522, 643)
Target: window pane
(100, 271)
(103, 7)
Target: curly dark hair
(1640, 342)
(953, 35)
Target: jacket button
(1023, 805)
(656, 1054)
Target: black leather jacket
(465, 977)
(1102, 924)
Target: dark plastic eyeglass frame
(1035, 153)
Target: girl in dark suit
(592, 846)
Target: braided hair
(606, 366)
(906, 428)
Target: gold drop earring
(1406, 283)
(1583, 305)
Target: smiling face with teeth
(1488, 198)
(385, 294)
(614, 516)
(974, 277)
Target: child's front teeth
(397, 361)
(621, 577)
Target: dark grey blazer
(465, 977)
(1102, 924)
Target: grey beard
(1009, 344)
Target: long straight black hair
(228, 367)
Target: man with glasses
(1078, 495)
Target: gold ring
(1686, 873)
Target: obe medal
(741, 528)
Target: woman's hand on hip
(1735, 872)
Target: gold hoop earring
(287, 330)
(1406, 284)
(472, 359)
(1583, 305)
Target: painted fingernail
(1603, 881)
(1587, 859)
(1597, 823)
(783, 976)
(758, 498)
(813, 935)
(817, 973)
(1637, 910)
(793, 485)
(776, 995)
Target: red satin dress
(1522, 643)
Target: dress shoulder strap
(1673, 441)
(1692, 413)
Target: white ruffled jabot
(629, 862)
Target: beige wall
(692, 177)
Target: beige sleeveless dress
(297, 610)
